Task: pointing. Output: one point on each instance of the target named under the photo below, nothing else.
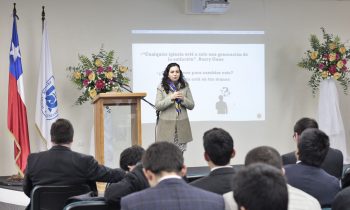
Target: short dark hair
(130, 157)
(303, 124)
(163, 157)
(264, 154)
(62, 132)
(218, 144)
(346, 178)
(259, 187)
(313, 147)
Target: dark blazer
(219, 181)
(332, 164)
(132, 182)
(61, 166)
(173, 194)
(314, 181)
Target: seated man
(61, 166)
(130, 157)
(297, 199)
(332, 164)
(260, 187)
(307, 174)
(133, 181)
(218, 151)
(163, 166)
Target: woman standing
(173, 99)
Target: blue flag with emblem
(46, 104)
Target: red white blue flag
(17, 111)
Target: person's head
(62, 132)
(172, 73)
(162, 158)
(130, 157)
(218, 147)
(346, 179)
(259, 187)
(264, 154)
(313, 147)
(303, 124)
(341, 200)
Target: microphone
(130, 91)
(122, 85)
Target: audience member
(346, 178)
(61, 166)
(130, 157)
(260, 187)
(297, 199)
(307, 174)
(163, 166)
(342, 200)
(133, 181)
(332, 164)
(218, 151)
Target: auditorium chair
(88, 205)
(54, 197)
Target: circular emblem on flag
(49, 100)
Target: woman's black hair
(166, 78)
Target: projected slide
(227, 80)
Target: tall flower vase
(329, 116)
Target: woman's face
(174, 74)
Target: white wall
(81, 26)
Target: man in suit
(163, 167)
(307, 174)
(259, 187)
(61, 166)
(297, 199)
(134, 180)
(218, 151)
(332, 164)
(130, 157)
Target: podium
(111, 99)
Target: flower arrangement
(326, 60)
(97, 75)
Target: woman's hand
(177, 95)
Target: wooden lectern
(116, 99)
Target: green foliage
(326, 60)
(100, 74)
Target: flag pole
(19, 175)
(15, 11)
(42, 18)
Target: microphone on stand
(122, 85)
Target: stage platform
(11, 195)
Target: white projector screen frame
(234, 73)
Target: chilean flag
(17, 111)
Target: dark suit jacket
(219, 181)
(132, 182)
(332, 164)
(61, 166)
(314, 181)
(173, 194)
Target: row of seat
(55, 198)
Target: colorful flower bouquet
(97, 75)
(326, 60)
